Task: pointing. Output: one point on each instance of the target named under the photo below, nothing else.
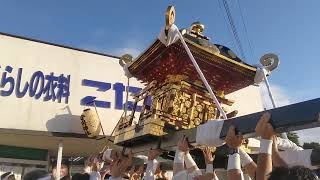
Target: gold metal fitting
(170, 17)
(125, 59)
(220, 94)
(197, 27)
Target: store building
(44, 88)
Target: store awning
(73, 144)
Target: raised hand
(232, 140)
(183, 145)
(153, 154)
(207, 154)
(264, 128)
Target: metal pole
(269, 90)
(127, 96)
(284, 135)
(59, 159)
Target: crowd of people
(278, 159)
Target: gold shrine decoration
(176, 102)
(179, 105)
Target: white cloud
(282, 98)
(129, 47)
(309, 135)
(126, 50)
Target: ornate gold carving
(182, 106)
(176, 78)
(178, 103)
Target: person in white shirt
(64, 169)
(97, 169)
(234, 142)
(183, 157)
(210, 173)
(152, 164)
(294, 155)
(93, 167)
(266, 157)
(119, 165)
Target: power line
(226, 21)
(233, 28)
(246, 31)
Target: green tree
(292, 136)
(312, 145)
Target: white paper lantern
(90, 122)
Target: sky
(288, 28)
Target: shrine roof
(224, 71)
